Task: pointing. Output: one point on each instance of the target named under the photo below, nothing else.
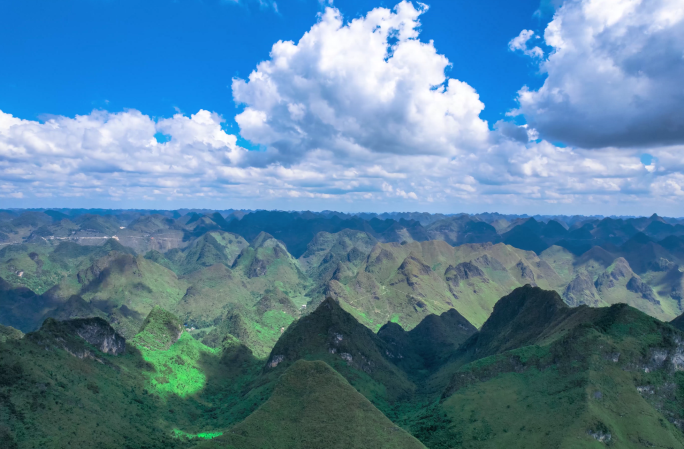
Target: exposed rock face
(581, 291)
(100, 334)
(257, 268)
(275, 361)
(526, 273)
(414, 267)
(621, 270)
(489, 262)
(464, 271)
(69, 334)
(604, 282)
(661, 264)
(636, 285)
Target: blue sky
(568, 106)
(69, 57)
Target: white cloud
(115, 156)
(520, 43)
(614, 75)
(368, 86)
(356, 113)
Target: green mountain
(72, 384)
(404, 283)
(312, 406)
(209, 249)
(9, 333)
(332, 335)
(430, 344)
(40, 266)
(537, 374)
(159, 331)
(123, 286)
(540, 374)
(223, 287)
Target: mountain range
(537, 374)
(246, 328)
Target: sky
(559, 107)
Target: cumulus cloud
(367, 86)
(100, 150)
(353, 112)
(614, 75)
(116, 156)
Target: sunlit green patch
(190, 436)
(177, 369)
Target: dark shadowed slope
(428, 345)
(332, 335)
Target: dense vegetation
(538, 374)
(302, 330)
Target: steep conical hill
(214, 247)
(591, 376)
(159, 331)
(41, 266)
(553, 230)
(267, 263)
(75, 307)
(222, 301)
(404, 283)
(326, 251)
(518, 319)
(525, 237)
(333, 335)
(428, 345)
(209, 249)
(643, 254)
(581, 291)
(462, 229)
(314, 407)
(212, 292)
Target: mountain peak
(333, 335)
(159, 331)
(312, 400)
(517, 320)
(260, 239)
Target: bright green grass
(191, 436)
(177, 370)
